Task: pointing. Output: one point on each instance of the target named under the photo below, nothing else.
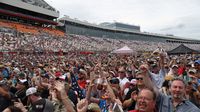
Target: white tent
(124, 50)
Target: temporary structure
(182, 49)
(124, 50)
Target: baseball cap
(133, 81)
(23, 82)
(192, 70)
(154, 65)
(197, 61)
(82, 71)
(62, 77)
(58, 74)
(30, 91)
(94, 107)
(174, 66)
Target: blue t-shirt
(103, 105)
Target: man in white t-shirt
(122, 77)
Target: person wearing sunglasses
(130, 98)
(157, 72)
(146, 101)
(139, 80)
(122, 77)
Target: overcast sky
(178, 17)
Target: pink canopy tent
(124, 50)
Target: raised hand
(21, 106)
(61, 87)
(82, 105)
(144, 68)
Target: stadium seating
(53, 31)
(30, 29)
(15, 36)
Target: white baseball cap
(133, 81)
(30, 91)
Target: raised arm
(161, 61)
(147, 80)
(88, 93)
(59, 86)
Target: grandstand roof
(33, 5)
(10, 13)
(39, 3)
(76, 21)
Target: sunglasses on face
(139, 78)
(191, 73)
(114, 81)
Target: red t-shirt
(82, 84)
(181, 70)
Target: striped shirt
(164, 104)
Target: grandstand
(35, 12)
(74, 26)
(29, 16)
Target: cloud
(179, 26)
(187, 26)
(180, 17)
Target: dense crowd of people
(98, 82)
(11, 40)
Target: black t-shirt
(22, 95)
(42, 105)
(39, 105)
